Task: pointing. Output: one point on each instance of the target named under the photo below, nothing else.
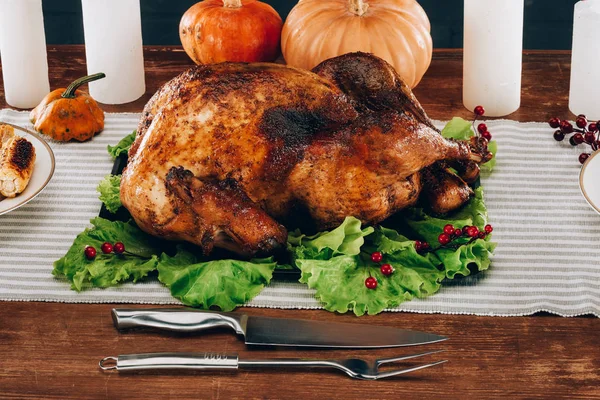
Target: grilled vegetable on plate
(26, 166)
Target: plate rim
(581, 185)
(53, 166)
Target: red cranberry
(449, 229)
(421, 246)
(589, 138)
(554, 122)
(90, 252)
(487, 136)
(482, 235)
(458, 232)
(583, 157)
(371, 282)
(418, 246)
(581, 122)
(473, 231)
(566, 127)
(559, 136)
(479, 111)
(386, 269)
(444, 239)
(106, 248)
(577, 139)
(488, 229)
(482, 128)
(376, 257)
(119, 248)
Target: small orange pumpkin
(69, 114)
(396, 30)
(214, 31)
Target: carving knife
(264, 331)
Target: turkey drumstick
(218, 213)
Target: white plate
(42, 171)
(589, 181)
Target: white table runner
(547, 259)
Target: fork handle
(201, 361)
(150, 361)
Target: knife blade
(265, 331)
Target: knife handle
(177, 319)
(150, 361)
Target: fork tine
(402, 358)
(407, 370)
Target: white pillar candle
(113, 45)
(23, 52)
(493, 53)
(585, 73)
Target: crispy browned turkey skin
(224, 152)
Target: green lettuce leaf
(475, 211)
(465, 255)
(345, 239)
(340, 281)
(110, 195)
(334, 264)
(108, 269)
(225, 284)
(475, 255)
(428, 227)
(489, 166)
(337, 263)
(340, 285)
(123, 146)
(460, 129)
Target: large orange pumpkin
(396, 30)
(213, 31)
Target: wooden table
(51, 350)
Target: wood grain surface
(51, 350)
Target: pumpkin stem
(69, 93)
(358, 7)
(232, 3)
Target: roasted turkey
(224, 153)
